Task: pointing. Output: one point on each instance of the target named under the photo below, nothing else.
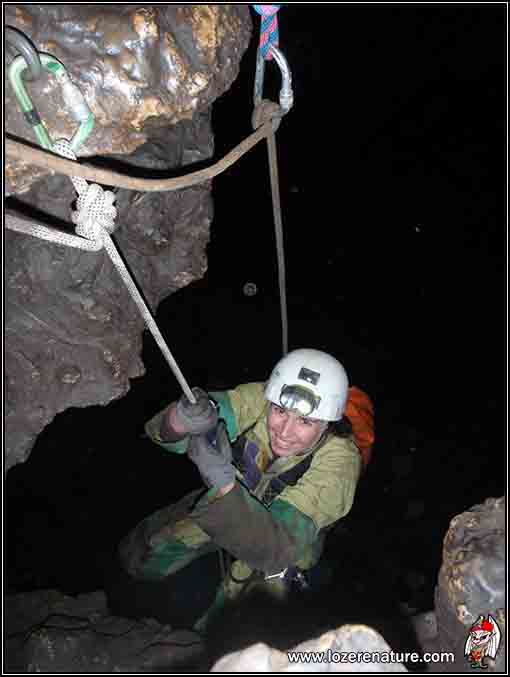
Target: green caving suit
(276, 515)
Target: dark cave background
(392, 179)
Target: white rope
(51, 234)
(95, 220)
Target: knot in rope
(94, 206)
(268, 28)
(94, 212)
(264, 112)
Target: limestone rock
(53, 633)
(341, 650)
(472, 579)
(134, 64)
(149, 74)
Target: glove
(213, 460)
(196, 418)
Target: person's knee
(179, 599)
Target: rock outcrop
(138, 66)
(150, 75)
(341, 650)
(472, 580)
(53, 633)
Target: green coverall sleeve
(268, 540)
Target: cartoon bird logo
(483, 640)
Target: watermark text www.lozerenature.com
(331, 656)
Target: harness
(244, 459)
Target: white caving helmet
(311, 383)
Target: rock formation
(149, 75)
(335, 651)
(50, 632)
(472, 579)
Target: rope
(95, 214)
(50, 234)
(277, 216)
(268, 28)
(268, 39)
(41, 158)
(95, 221)
(94, 207)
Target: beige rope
(41, 158)
(278, 227)
(78, 172)
(95, 221)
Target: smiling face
(290, 433)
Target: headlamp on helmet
(299, 399)
(310, 382)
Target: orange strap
(360, 412)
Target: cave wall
(150, 74)
(135, 64)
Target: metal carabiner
(18, 65)
(15, 37)
(70, 92)
(286, 94)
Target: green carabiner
(71, 93)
